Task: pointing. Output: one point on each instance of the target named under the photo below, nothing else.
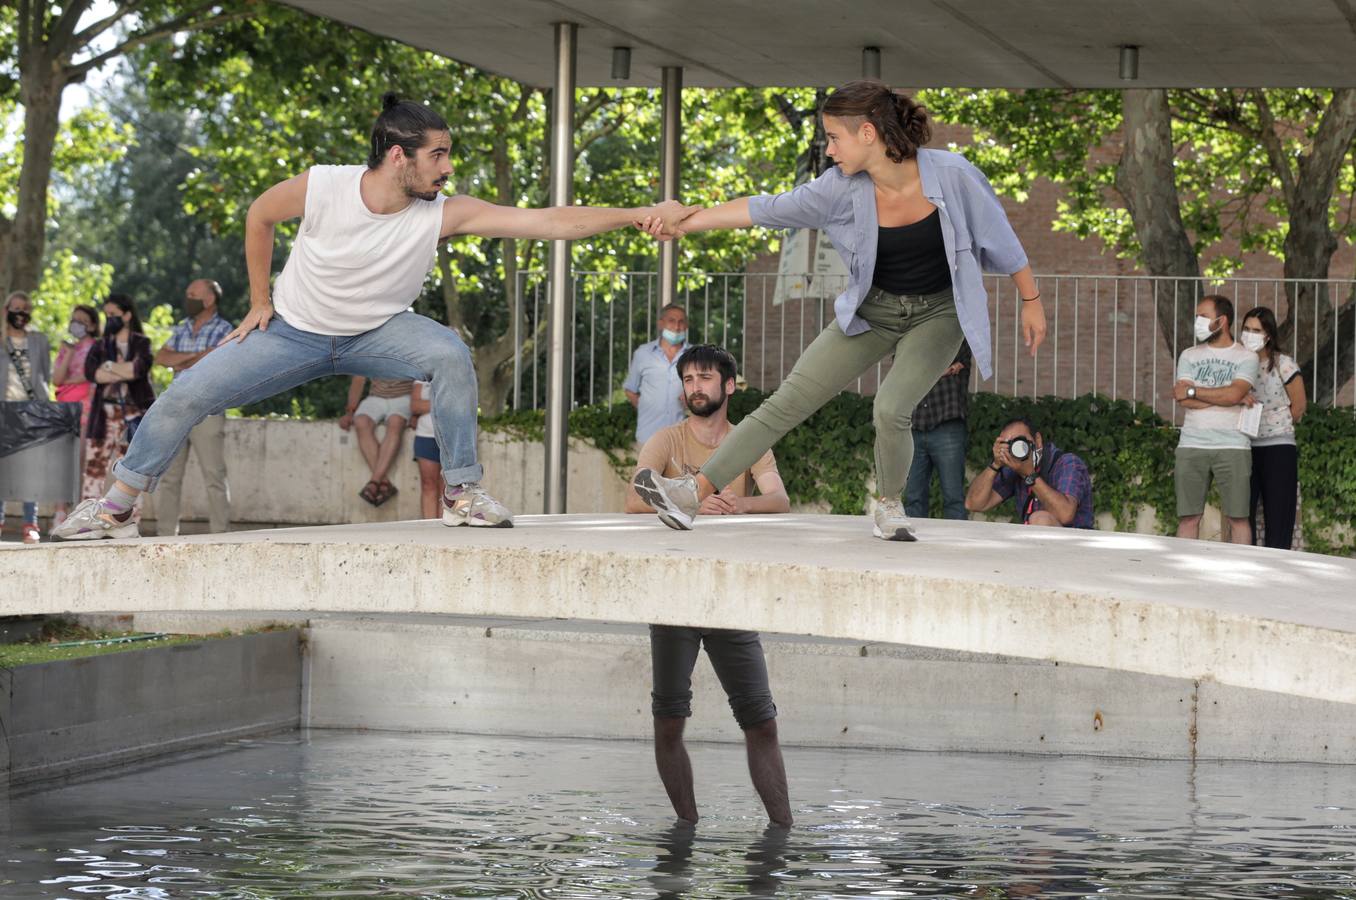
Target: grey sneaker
(471, 504)
(675, 499)
(890, 522)
(90, 521)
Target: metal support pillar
(670, 157)
(560, 301)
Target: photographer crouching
(1052, 486)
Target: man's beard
(412, 189)
(704, 406)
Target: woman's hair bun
(389, 100)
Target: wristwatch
(1191, 393)
(1030, 479)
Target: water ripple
(363, 815)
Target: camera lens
(1020, 448)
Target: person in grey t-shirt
(1215, 379)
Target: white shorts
(378, 409)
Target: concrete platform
(1245, 617)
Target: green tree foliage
(129, 212)
(1274, 170)
(46, 46)
(1228, 182)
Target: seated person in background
(426, 451)
(389, 402)
(1052, 486)
(708, 375)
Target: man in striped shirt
(192, 339)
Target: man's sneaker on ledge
(92, 520)
(470, 504)
(675, 499)
(890, 522)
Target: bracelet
(995, 467)
(1032, 299)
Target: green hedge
(1127, 446)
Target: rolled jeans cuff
(144, 483)
(464, 475)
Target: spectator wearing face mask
(68, 374)
(197, 335)
(119, 364)
(1275, 455)
(1215, 379)
(653, 385)
(25, 371)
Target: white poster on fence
(829, 266)
(801, 274)
(793, 268)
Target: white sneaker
(470, 504)
(90, 521)
(675, 499)
(890, 522)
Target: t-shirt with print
(1277, 425)
(1215, 427)
(20, 369)
(675, 450)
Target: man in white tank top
(368, 239)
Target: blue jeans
(30, 512)
(944, 448)
(269, 362)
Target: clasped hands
(664, 223)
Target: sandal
(371, 492)
(385, 491)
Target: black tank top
(911, 259)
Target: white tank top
(350, 269)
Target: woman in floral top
(1275, 457)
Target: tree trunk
(1146, 180)
(41, 85)
(1315, 325)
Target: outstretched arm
(467, 215)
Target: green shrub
(1127, 446)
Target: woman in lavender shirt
(917, 229)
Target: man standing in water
(368, 239)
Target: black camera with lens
(1020, 448)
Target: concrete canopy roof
(924, 43)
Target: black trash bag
(31, 423)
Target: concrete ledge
(1244, 617)
(570, 678)
(71, 716)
